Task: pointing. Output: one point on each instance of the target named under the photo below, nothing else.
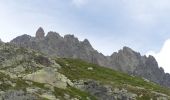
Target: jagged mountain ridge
(27, 74)
(125, 60)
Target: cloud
(113, 22)
(163, 56)
(79, 3)
(147, 12)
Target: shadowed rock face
(40, 33)
(129, 61)
(18, 95)
(125, 60)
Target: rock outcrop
(27, 74)
(131, 62)
(49, 76)
(125, 60)
(40, 33)
(105, 92)
(18, 95)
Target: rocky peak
(86, 43)
(22, 39)
(71, 38)
(125, 48)
(125, 60)
(152, 61)
(52, 35)
(151, 58)
(40, 33)
(128, 51)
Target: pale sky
(143, 25)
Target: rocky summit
(125, 60)
(27, 74)
(40, 33)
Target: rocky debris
(104, 92)
(161, 96)
(33, 89)
(49, 96)
(40, 33)
(17, 95)
(107, 92)
(41, 92)
(68, 97)
(16, 62)
(125, 60)
(124, 94)
(43, 60)
(74, 99)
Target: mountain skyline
(161, 57)
(107, 24)
(30, 75)
(84, 50)
(125, 60)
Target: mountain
(125, 60)
(27, 74)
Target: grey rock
(23, 39)
(49, 76)
(49, 96)
(40, 33)
(17, 95)
(125, 60)
(104, 92)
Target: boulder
(49, 76)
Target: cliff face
(125, 60)
(27, 74)
(68, 46)
(40, 33)
(133, 63)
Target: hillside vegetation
(30, 75)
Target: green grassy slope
(18, 62)
(76, 69)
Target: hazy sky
(109, 25)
